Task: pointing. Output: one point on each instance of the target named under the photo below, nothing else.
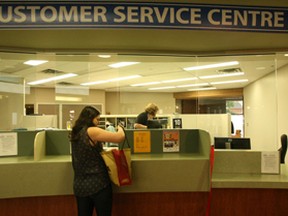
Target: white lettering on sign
(235, 17)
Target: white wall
(282, 100)
(265, 110)
(11, 109)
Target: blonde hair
(151, 108)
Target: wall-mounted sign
(88, 14)
(177, 122)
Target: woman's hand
(120, 127)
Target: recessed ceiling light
(201, 67)
(180, 80)
(201, 89)
(122, 64)
(94, 83)
(124, 78)
(70, 99)
(190, 85)
(160, 88)
(228, 82)
(52, 79)
(145, 84)
(111, 80)
(221, 75)
(35, 62)
(104, 56)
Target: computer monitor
(232, 143)
(154, 124)
(163, 122)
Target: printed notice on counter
(8, 144)
(171, 141)
(142, 141)
(270, 162)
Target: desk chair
(283, 148)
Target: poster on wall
(142, 142)
(8, 144)
(171, 141)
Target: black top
(90, 172)
(142, 118)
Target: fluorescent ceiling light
(104, 56)
(180, 80)
(286, 55)
(201, 89)
(94, 83)
(110, 80)
(201, 67)
(124, 78)
(52, 79)
(35, 62)
(160, 88)
(228, 82)
(122, 64)
(145, 84)
(191, 85)
(70, 99)
(221, 75)
(165, 81)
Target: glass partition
(249, 89)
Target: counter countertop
(134, 157)
(252, 180)
(219, 180)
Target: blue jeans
(102, 202)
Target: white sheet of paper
(8, 144)
(270, 162)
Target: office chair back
(283, 148)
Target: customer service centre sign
(96, 14)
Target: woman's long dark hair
(84, 121)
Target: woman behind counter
(92, 185)
(142, 119)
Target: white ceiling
(90, 68)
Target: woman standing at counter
(142, 119)
(92, 185)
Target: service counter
(239, 186)
(242, 169)
(47, 170)
(42, 175)
(252, 180)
